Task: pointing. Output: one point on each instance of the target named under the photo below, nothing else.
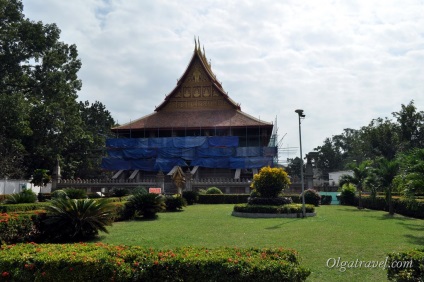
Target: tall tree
(38, 97)
(411, 123)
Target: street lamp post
(301, 116)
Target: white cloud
(343, 62)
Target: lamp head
(300, 112)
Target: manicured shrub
(255, 194)
(146, 205)
(73, 220)
(289, 208)
(326, 199)
(278, 201)
(406, 266)
(175, 203)
(400, 205)
(269, 182)
(7, 208)
(295, 198)
(59, 194)
(101, 262)
(214, 191)
(347, 195)
(26, 196)
(191, 197)
(312, 197)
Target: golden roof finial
(195, 43)
(198, 44)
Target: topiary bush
(191, 197)
(26, 196)
(175, 203)
(269, 182)
(213, 191)
(312, 197)
(347, 195)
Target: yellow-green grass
(336, 232)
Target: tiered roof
(198, 100)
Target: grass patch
(336, 231)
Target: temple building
(197, 129)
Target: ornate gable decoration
(198, 88)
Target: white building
(334, 177)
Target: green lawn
(336, 231)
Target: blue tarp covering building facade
(162, 154)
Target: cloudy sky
(342, 62)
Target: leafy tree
(411, 124)
(40, 178)
(293, 167)
(41, 118)
(410, 178)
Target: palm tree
(387, 170)
(77, 219)
(360, 173)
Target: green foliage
(120, 192)
(278, 201)
(412, 268)
(146, 205)
(26, 196)
(175, 203)
(191, 197)
(101, 262)
(15, 228)
(347, 195)
(73, 220)
(75, 193)
(38, 98)
(139, 190)
(403, 206)
(269, 182)
(213, 191)
(326, 199)
(223, 199)
(312, 197)
(59, 194)
(410, 180)
(284, 209)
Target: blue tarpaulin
(162, 154)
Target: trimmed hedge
(289, 208)
(223, 199)
(7, 208)
(102, 262)
(413, 271)
(400, 206)
(278, 201)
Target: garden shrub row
(400, 206)
(406, 266)
(7, 208)
(223, 198)
(102, 262)
(289, 208)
